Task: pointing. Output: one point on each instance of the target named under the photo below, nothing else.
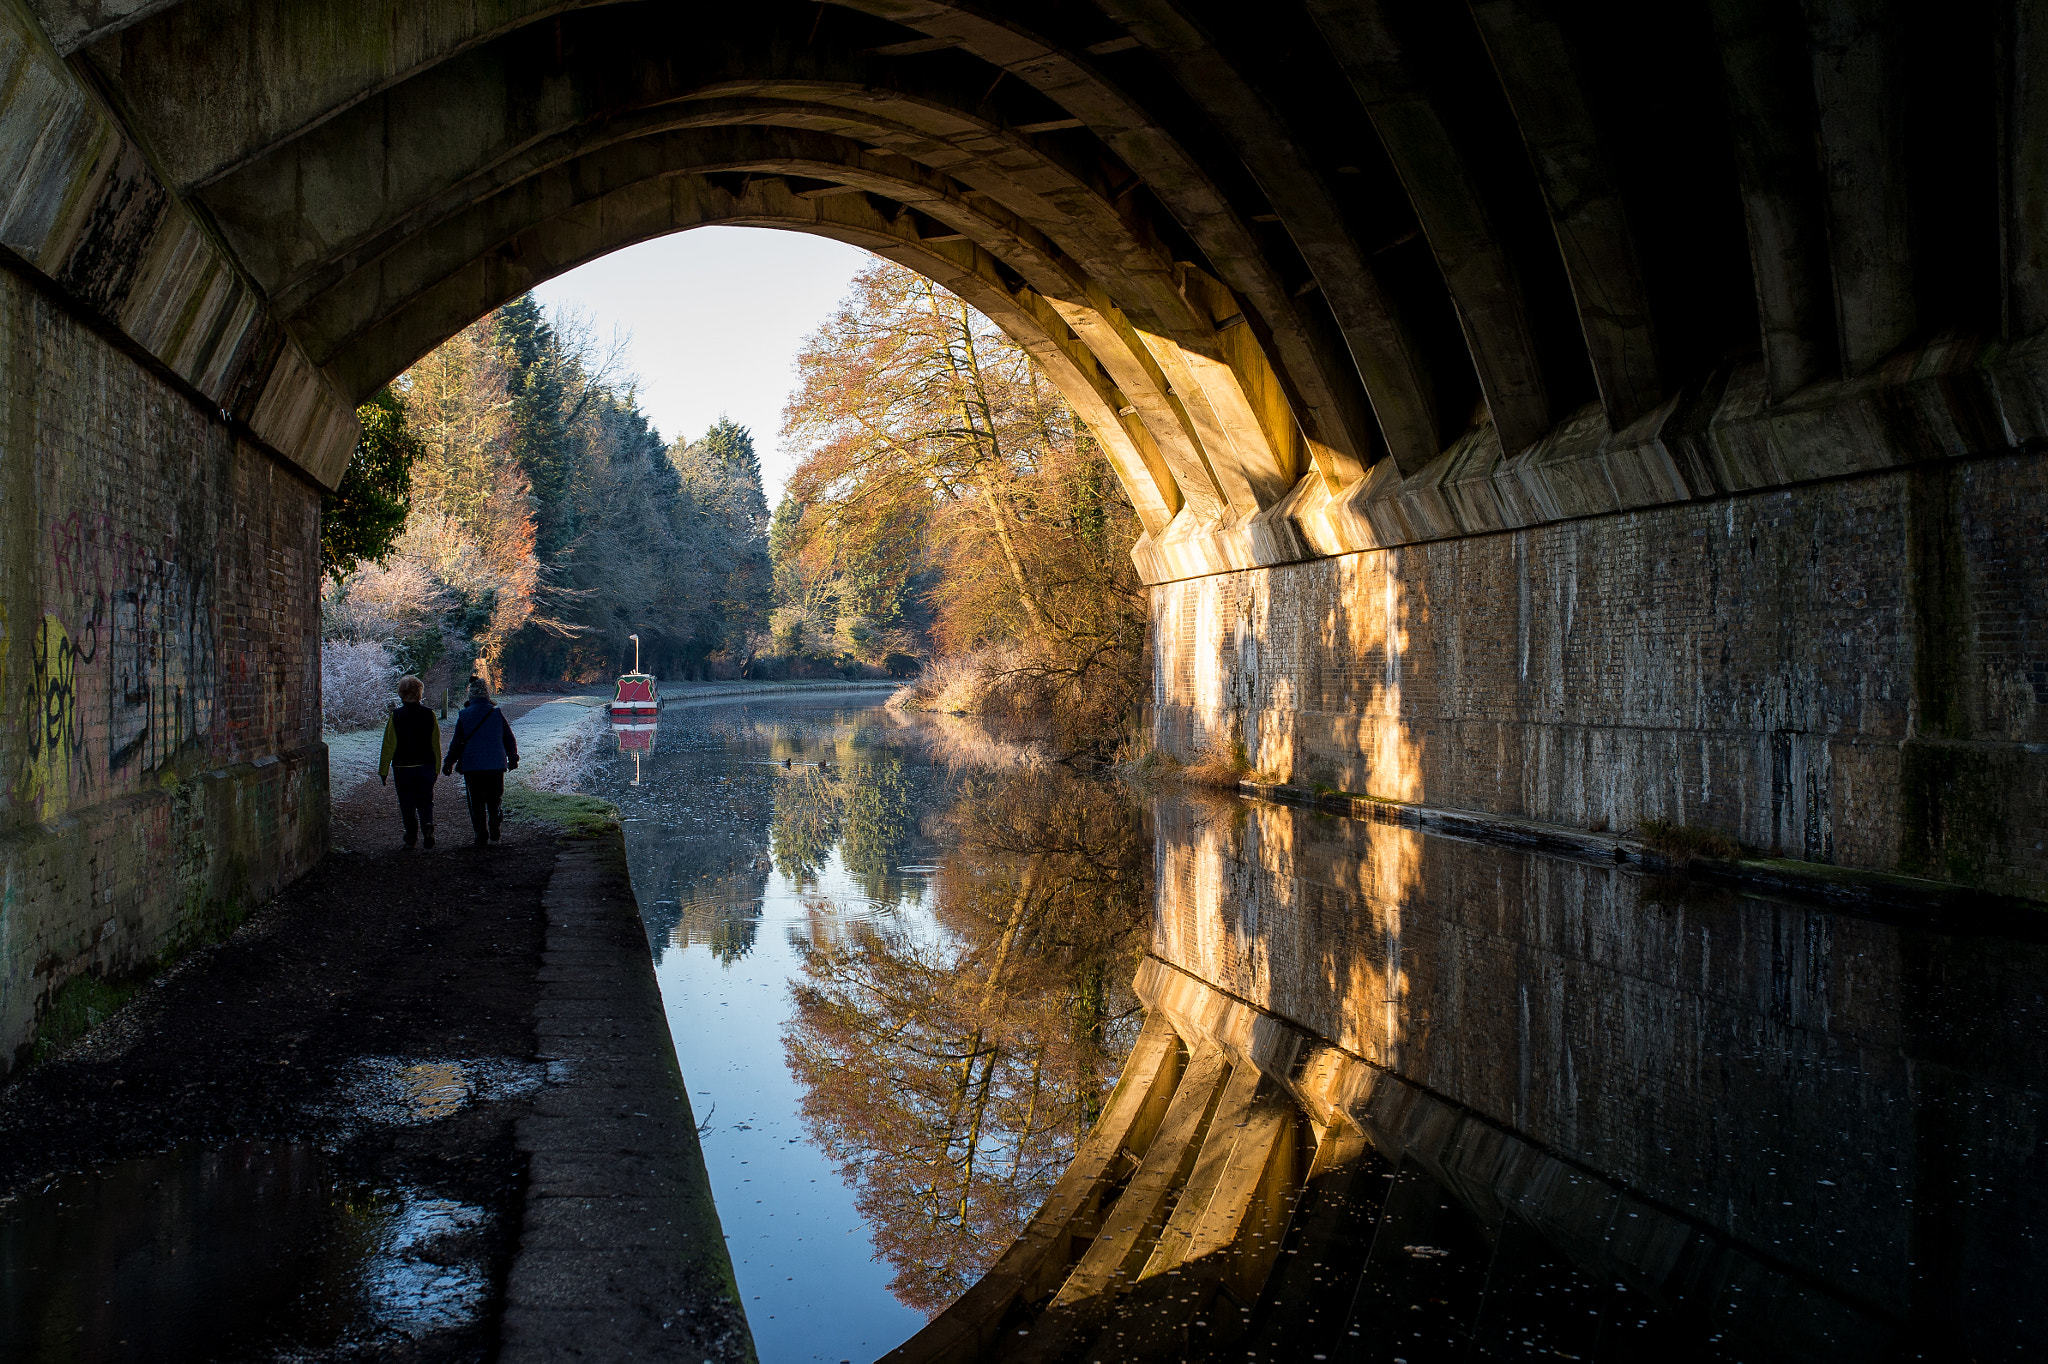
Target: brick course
(1852, 672)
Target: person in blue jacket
(483, 749)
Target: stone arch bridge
(1587, 413)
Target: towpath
(470, 1040)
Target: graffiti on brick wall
(237, 726)
(125, 661)
(160, 668)
(56, 731)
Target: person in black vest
(483, 748)
(412, 740)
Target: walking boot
(409, 841)
(495, 827)
(428, 834)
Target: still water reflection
(1534, 1105)
(898, 987)
(253, 1252)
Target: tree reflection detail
(862, 803)
(953, 1076)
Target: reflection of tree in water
(724, 914)
(878, 825)
(865, 807)
(805, 825)
(954, 1079)
(702, 889)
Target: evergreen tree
(548, 520)
(732, 445)
(721, 476)
(361, 520)
(541, 417)
(783, 538)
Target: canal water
(886, 1091)
(1642, 1115)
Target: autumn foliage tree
(512, 510)
(932, 441)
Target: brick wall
(160, 755)
(1852, 672)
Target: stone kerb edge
(1854, 888)
(611, 1146)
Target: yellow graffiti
(52, 719)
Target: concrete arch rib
(1768, 75)
(1335, 409)
(1396, 375)
(658, 207)
(337, 194)
(1539, 71)
(1213, 408)
(1072, 216)
(313, 197)
(220, 59)
(1011, 168)
(1453, 213)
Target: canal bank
(421, 1105)
(620, 1252)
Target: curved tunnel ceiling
(1250, 242)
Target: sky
(715, 318)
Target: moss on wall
(79, 1005)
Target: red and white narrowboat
(638, 698)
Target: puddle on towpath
(887, 1092)
(252, 1252)
(397, 1091)
(258, 1250)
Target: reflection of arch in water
(1750, 1113)
(1246, 1174)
